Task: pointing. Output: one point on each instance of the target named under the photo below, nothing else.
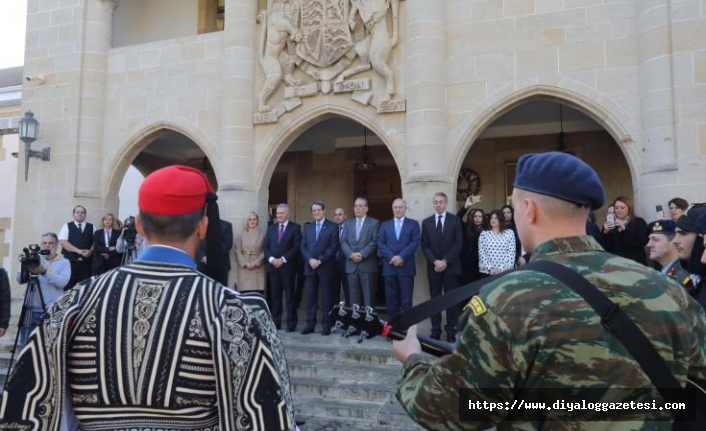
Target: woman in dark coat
(474, 223)
(627, 235)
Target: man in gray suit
(359, 246)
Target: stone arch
(614, 119)
(289, 128)
(121, 160)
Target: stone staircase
(6, 344)
(339, 384)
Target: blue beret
(661, 226)
(688, 221)
(562, 176)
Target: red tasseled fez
(173, 190)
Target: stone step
(389, 412)
(389, 374)
(342, 390)
(359, 353)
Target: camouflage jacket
(527, 331)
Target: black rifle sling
(449, 299)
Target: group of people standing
(354, 254)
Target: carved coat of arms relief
(330, 41)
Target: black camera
(129, 230)
(30, 259)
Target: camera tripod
(129, 255)
(24, 325)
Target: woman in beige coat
(250, 257)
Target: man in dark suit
(359, 246)
(442, 239)
(281, 247)
(319, 248)
(339, 215)
(397, 242)
(220, 274)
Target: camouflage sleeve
(697, 360)
(483, 359)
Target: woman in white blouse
(496, 247)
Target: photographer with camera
(130, 243)
(50, 270)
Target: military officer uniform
(527, 331)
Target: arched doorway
(335, 160)
(161, 148)
(539, 125)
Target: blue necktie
(398, 228)
(318, 229)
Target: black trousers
(438, 285)
(281, 283)
(80, 270)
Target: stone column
(236, 149)
(426, 147)
(657, 85)
(234, 166)
(659, 139)
(425, 47)
(98, 24)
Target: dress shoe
(308, 329)
(326, 331)
(451, 338)
(435, 335)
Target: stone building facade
(117, 74)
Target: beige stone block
(485, 29)
(457, 12)
(459, 69)
(48, 36)
(623, 28)
(658, 118)
(543, 6)
(193, 51)
(463, 97)
(483, 10)
(620, 80)
(685, 10)
(538, 23)
(702, 139)
(581, 56)
(588, 32)
(700, 67)
(518, 7)
(573, 4)
(579, 79)
(134, 106)
(554, 36)
(495, 66)
(149, 58)
(694, 113)
(689, 35)
(5, 223)
(656, 74)
(61, 16)
(38, 20)
(656, 16)
(622, 52)
(610, 12)
(543, 60)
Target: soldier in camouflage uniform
(690, 248)
(527, 331)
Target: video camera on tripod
(129, 231)
(31, 258)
